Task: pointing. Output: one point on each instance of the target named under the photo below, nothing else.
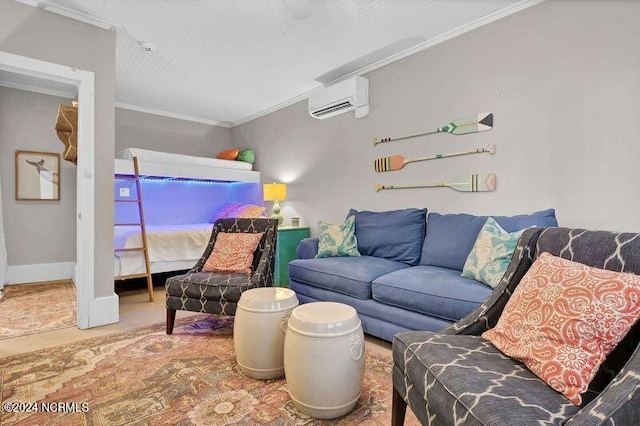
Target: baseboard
(20, 274)
(103, 310)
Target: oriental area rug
(35, 308)
(145, 377)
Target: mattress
(182, 245)
(168, 157)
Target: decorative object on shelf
(246, 155)
(275, 192)
(295, 221)
(67, 129)
(37, 175)
(396, 162)
(472, 124)
(229, 154)
(470, 183)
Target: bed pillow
(229, 154)
(337, 240)
(491, 254)
(395, 235)
(224, 211)
(248, 211)
(233, 253)
(564, 318)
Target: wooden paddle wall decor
(469, 183)
(67, 129)
(472, 124)
(396, 162)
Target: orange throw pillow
(229, 154)
(564, 319)
(233, 253)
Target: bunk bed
(177, 229)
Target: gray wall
(148, 131)
(563, 81)
(35, 231)
(32, 32)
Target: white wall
(36, 231)
(148, 131)
(34, 33)
(563, 81)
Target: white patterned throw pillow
(491, 254)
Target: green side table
(288, 239)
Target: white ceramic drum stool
(259, 329)
(324, 359)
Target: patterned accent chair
(217, 293)
(457, 377)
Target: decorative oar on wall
(472, 124)
(396, 162)
(470, 183)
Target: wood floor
(135, 311)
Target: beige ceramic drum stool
(259, 329)
(324, 359)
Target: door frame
(85, 209)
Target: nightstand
(288, 239)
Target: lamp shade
(274, 191)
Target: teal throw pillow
(338, 240)
(491, 254)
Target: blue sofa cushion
(394, 235)
(430, 290)
(347, 275)
(450, 237)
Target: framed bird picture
(37, 175)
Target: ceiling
(228, 61)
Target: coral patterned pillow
(225, 211)
(233, 253)
(564, 319)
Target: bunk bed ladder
(143, 230)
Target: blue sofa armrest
(308, 248)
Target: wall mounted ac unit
(348, 95)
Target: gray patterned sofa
(218, 293)
(457, 377)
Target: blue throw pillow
(451, 237)
(395, 235)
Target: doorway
(50, 73)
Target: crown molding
(72, 14)
(173, 115)
(401, 55)
(38, 89)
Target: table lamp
(275, 192)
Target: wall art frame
(37, 176)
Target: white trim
(72, 14)
(20, 274)
(104, 310)
(85, 208)
(401, 55)
(37, 89)
(173, 115)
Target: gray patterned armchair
(457, 377)
(218, 293)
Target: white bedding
(168, 157)
(167, 243)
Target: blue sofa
(408, 276)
